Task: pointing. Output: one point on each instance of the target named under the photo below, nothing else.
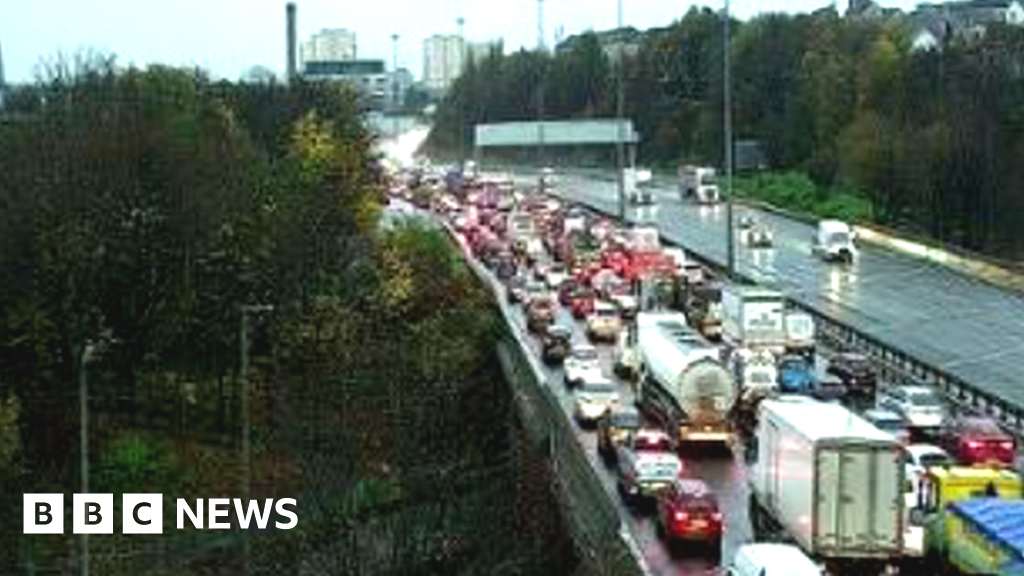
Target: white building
(368, 77)
(443, 56)
(329, 45)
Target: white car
(767, 558)
(555, 276)
(758, 237)
(604, 323)
(917, 458)
(627, 303)
(595, 395)
(644, 473)
(920, 406)
(582, 362)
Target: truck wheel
(756, 520)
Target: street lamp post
(620, 112)
(461, 23)
(246, 423)
(394, 86)
(540, 94)
(83, 404)
(730, 245)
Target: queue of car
(593, 276)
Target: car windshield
(839, 238)
(585, 354)
(929, 460)
(665, 470)
(929, 399)
(889, 424)
(598, 387)
(626, 419)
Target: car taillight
(1006, 445)
(974, 445)
(717, 516)
(681, 516)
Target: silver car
(595, 396)
(920, 406)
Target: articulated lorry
(829, 480)
(682, 382)
(698, 184)
(754, 318)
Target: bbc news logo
(144, 514)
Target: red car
(977, 441)
(567, 291)
(582, 304)
(688, 512)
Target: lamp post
(83, 404)
(394, 86)
(540, 94)
(461, 23)
(620, 112)
(246, 423)
(730, 246)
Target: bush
(796, 192)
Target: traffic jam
(670, 368)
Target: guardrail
(600, 537)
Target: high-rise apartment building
(330, 45)
(443, 59)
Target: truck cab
(834, 242)
(940, 487)
(633, 181)
(698, 184)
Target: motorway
(970, 329)
(725, 474)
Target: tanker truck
(682, 383)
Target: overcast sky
(226, 37)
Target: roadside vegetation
(932, 137)
(142, 209)
(797, 193)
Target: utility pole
(730, 245)
(620, 113)
(83, 404)
(461, 23)
(394, 86)
(540, 94)
(246, 422)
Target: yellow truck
(960, 532)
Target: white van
(764, 559)
(834, 242)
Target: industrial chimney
(291, 47)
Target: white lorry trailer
(698, 184)
(753, 317)
(829, 480)
(800, 333)
(834, 242)
(682, 382)
(634, 183)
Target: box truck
(829, 480)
